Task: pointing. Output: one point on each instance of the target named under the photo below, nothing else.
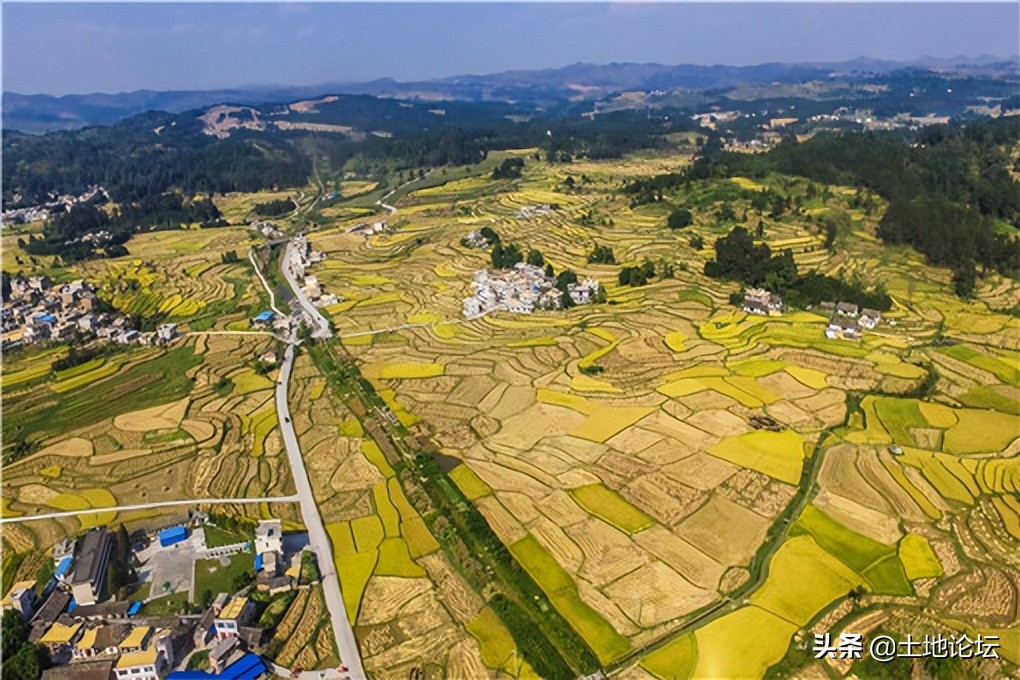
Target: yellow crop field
(51, 472)
(591, 358)
(498, 650)
(981, 431)
(68, 501)
(808, 376)
(562, 592)
(102, 371)
(586, 383)
(605, 421)
(394, 560)
(777, 454)
(765, 638)
(248, 381)
(803, 579)
(571, 401)
(407, 371)
(384, 508)
(676, 341)
(470, 484)
(675, 660)
(757, 368)
(611, 507)
(919, 560)
(938, 415)
(412, 526)
(376, 457)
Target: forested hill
(950, 189)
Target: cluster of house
(521, 290)
(58, 203)
(92, 636)
(762, 302)
(847, 320)
(37, 311)
(534, 210)
(304, 257)
(474, 239)
(368, 228)
(267, 229)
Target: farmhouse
(22, 599)
(762, 302)
(844, 328)
(846, 309)
(870, 318)
(263, 319)
(236, 613)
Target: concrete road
(317, 537)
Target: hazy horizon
(61, 48)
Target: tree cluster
(601, 254)
(21, 660)
(280, 206)
(680, 218)
(510, 168)
(505, 257)
(637, 275)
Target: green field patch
(853, 549)
(248, 381)
(757, 368)
(675, 660)
(802, 580)
(159, 380)
(919, 560)
(980, 431)
(695, 295)
(994, 365)
(562, 591)
(611, 507)
(354, 567)
(777, 454)
(214, 576)
(898, 416)
(988, 397)
(888, 576)
(469, 483)
(350, 427)
(156, 437)
(873, 432)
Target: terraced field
(648, 484)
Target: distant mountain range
(542, 89)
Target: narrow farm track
(148, 506)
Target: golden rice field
(654, 436)
(618, 450)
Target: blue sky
(63, 48)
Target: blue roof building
(173, 535)
(63, 567)
(248, 667)
(264, 317)
(134, 608)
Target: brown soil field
(726, 531)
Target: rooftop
(59, 634)
(96, 541)
(136, 637)
(145, 657)
(20, 585)
(233, 608)
(87, 670)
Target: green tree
(680, 218)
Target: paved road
(318, 323)
(147, 506)
(317, 537)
